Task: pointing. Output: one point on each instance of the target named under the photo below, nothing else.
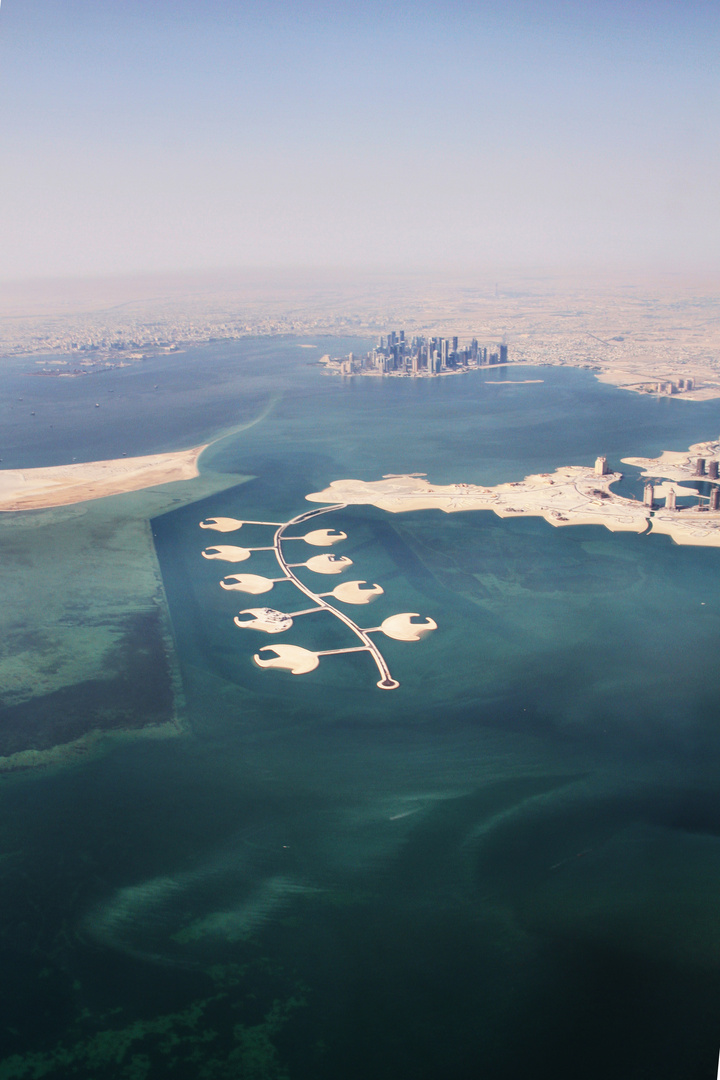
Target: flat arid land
(64, 485)
(633, 330)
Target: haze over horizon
(182, 137)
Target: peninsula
(64, 485)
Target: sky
(167, 135)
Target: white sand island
(572, 495)
(63, 485)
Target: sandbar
(64, 485)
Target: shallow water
(506, 867)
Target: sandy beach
(64, 485)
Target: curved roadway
(386, 681)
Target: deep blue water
(507, 867)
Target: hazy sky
(142, 135)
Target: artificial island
(572, 495)
(295, 658)
(681, 497)
(100, 538)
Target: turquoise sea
(507, 867)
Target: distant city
(397, 354)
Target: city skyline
(399, 354)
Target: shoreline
(634, 382)
(572, 495)
(52, 486)
(635, 379)
(332, 367)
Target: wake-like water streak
(228, 433)
(136, 911)
(236, 923)
(164, 918)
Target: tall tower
(503, 354)
(601, 466)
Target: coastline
(102, 666)
(333, 367)
(572, 495)
(65, 485)
(641, 381)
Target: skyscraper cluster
(396, 354)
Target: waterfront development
(359, 541)
(649, 335)
(226, 847)
(572, 495)
(294, 658)
(396, 354)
